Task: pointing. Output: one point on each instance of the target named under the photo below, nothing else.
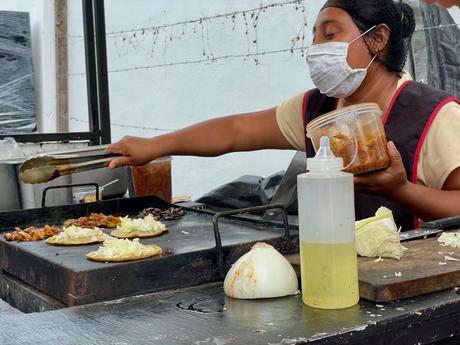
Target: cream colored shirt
(440, 153)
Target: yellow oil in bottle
(329, 275)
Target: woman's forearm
(245, 132)
(426, 203)
(206, 139)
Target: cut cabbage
(451, 239)
(75, 232)
(378, 236)
(140, 224)
(121, 248)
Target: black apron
(407, 121)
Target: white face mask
(330, 71)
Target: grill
(197, 249)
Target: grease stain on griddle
(204, 307)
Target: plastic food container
(152, 179)
(356, 134)
(85, 194)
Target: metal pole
(102, 73)
(62, 65)
(91, 71)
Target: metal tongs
(46, 167)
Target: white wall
(177, 96)
(455, 13)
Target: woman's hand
(386, 182)
(133, 151)
(426, 203)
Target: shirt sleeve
(440, 154)
(290, 121)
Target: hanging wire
(211, 59)
(437, 27)
(198, 61)
(250, 17)
(200, 20)
(232, 14)
(115, 124)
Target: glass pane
(78, 98)
(42, 69)
(17, 93)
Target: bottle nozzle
(325, 158)
(324, 151)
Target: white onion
(261, 273)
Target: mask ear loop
(363, 34)
(370, 63)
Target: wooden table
(204, 316)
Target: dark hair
(398, 16)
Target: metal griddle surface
(189, 256)
(199, 236)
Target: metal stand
(70, 186)
(218, 215)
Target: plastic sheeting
(435, 48)
(17, 96)
(10, 149)
(443, 49)
(246, 191)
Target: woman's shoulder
(440, 151)
(451, 108)
(422, 95)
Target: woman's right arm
(236, 133)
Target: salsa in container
(356, 134)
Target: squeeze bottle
(328, 259)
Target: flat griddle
(189, 252)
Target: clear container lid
(357, 109)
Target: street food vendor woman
(368, 42)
